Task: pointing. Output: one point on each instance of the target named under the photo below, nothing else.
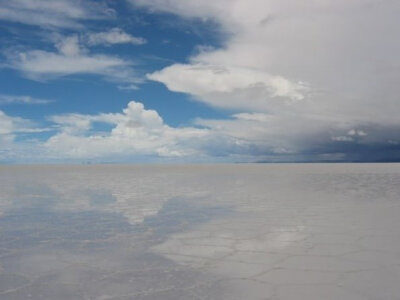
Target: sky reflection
(199, 232)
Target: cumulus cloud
(55, 13)
(136, 131)
(114, 36)
(70, 58)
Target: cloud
(10, 128)
(302, 80)
(342, 138)
(114, 36)
(9, 125)
(14, 150)
(268, 134)
(268, 137)
(71, 58)
(69, 46)
(18, 99)
(300, 75)
(136, 131)
(55, 13)
(351, 135)
(354, 132)
(218, 85)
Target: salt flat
(251, 231)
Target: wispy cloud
(55, 13)
(12, 149)
(113, 36)
(18, 99)
(10, 125)
(70, 57)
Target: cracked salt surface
(280, 232)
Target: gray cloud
(337, 59)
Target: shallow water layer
(263, 231)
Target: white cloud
(354, 132)
(71, 55)
(55, 13)
(38, 64)
(10, 127)
(7, 124)
(114, 36)
(13, 150)
(18, 99)
(217, 85)
(136, 131)
(69, 46)
(71, 58)
(128, 87)
(342, 138)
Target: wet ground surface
(318, 231)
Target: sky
(199, 81)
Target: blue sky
(183, 81)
